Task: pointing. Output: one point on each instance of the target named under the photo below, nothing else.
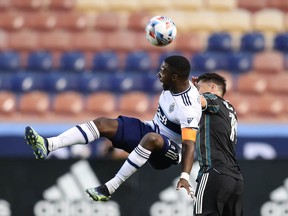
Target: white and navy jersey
(177, 111)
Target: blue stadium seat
(59, 81)
(252, 42)
(72, 61)
(93, 82)
(25, 82)
(238, 62)
(6, 81)
(220, 42)
(281, 42)
(40, 61)
(138, 61)
(9, 60)
(105, 61)
(207, 61)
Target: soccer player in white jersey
(162, 142)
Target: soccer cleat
(100, 194)
(37, 143)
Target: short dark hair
(215, 78)
(179, 65)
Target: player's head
(212, 82)
(173, 71)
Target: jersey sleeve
(212, 103)
(189, 117)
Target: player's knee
(106, 126)
(152, 141)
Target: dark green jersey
(217, 137)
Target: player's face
(165, 76)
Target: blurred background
(65, 62)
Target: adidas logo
(279, 202)
(68, 198)
(173, 202)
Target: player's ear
(174, 76)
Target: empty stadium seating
(87, 52)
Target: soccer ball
(160, 31)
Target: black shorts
(219, 195)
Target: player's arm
(188, 148)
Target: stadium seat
(220, 42)
(268, 105)
(7, 102)
(56, 82)
(105, 61)
(94, 82)
(9, 60)
(123, 6)
(269, 21)
(219, 5)
(5, 5)
(55, 41)
(191, 42)
(201, 21)
(134, 103)
(89, 41)
(72, 61)
(28, 4)
(252, 42)
(125, 82)
(187, 5)
(35, 102)
(242, 103)
(68, 103)
(108, 21)
(138, 61)
(279, 84)
(4, 36)
(251, 83)
(238, 21)
(72, 21)
(252, 5)
(26, 41)
(26, 82)
(278, 4)
(207, 61)
(122, 40)
(137, 21)
(237, 62)
(154, 6)
(101, 103)
(41, 21)
(11, 21)
(40, 61)
(281, 42)
(268, 62)
(91, 5)
(66, 5)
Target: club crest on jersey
(189, 120)
(172, 107)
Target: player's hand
(183, 183)
(194, 80)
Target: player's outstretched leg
(37, 143)
(100, 194)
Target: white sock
(136, 159)
(80, 134)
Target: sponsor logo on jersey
(189, 120)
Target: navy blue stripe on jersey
(186, 99)
(83, 133)
(165, 121)
(207, 140)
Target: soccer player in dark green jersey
(220, 184)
